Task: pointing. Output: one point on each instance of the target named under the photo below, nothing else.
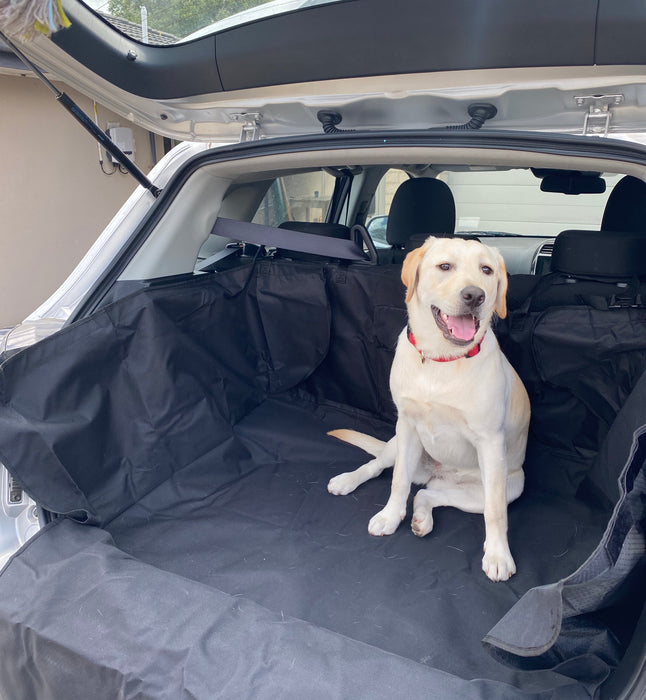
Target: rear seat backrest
(317, 228)
(578, 343)
(589, 267)
(421, 207)
(593, 261)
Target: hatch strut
(71, 106)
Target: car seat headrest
(600, 253)
(420, 206)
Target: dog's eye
(445, 266)
(487, 270)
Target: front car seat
(626, 206)
(421, 207)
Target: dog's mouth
(460, 330)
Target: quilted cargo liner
(181, 431)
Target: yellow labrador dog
(463, 412)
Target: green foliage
(179, 17)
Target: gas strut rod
(68, 103)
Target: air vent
(542, 259)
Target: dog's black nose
(472, 296)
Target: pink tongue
(462, 327)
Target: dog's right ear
(410, 268)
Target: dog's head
(454, 286)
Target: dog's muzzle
(461, 329)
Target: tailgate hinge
(597, 118)
(250, 121)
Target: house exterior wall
(54, 199)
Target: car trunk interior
(182, 430)
(174, 433)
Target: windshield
(506, 202)
(173, 21)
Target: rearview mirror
(570, 181)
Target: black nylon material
(189, 422)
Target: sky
(97, 4)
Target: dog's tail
(366, 442)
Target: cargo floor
(255, 520)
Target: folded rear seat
(318, 229)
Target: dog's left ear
(501, 296)
(409, 270)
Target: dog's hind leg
(347, 482)
(447, 490)
(440, 492)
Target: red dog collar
(472, 353)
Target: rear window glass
(173, 21)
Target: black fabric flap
(597, 355)
(88, 621)
(534, 624)
(556, 622)
(98, 415)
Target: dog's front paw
(497, 562)
(385, 522)
(342, 484)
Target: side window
(378, 213)
(301, 197)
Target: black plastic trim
(381, 37)
(353, 38)
(157, 72)
(620, 34)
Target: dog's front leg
(409, 452)
(497, 562)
